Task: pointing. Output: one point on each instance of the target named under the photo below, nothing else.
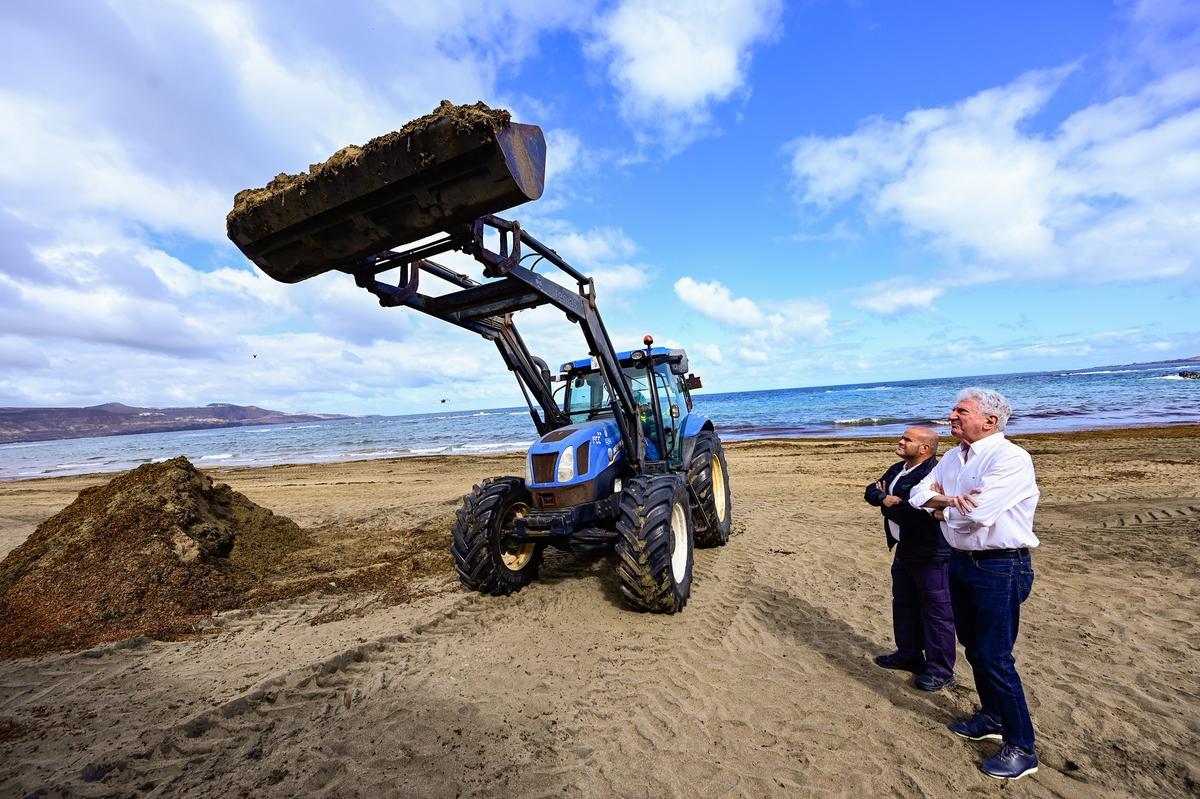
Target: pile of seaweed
(152, 553)
(465, 118)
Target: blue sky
(799, 194)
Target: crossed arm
(894, 508)
(1005, 483)
(963, 503)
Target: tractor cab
(647, 372)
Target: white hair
(992, 403)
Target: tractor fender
(692, 426)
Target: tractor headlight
(528, 469)
(566, 465)
(617, 486)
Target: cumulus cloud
(671, 63)
(753, 355)
(58, 164)
(715, 301)
(711, 352)
(596, 245)
(898, 296)
(785, 320)
(1111, 194)
(127, 132)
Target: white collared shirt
(1003, 519)
(892, 526)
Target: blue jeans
(987, 597)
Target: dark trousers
(922, 616)
(987, 597)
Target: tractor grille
(543, 467)
(562, 497)
(581, 457)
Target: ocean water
(1113, 396)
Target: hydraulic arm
(487, 309)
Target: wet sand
(764, 686)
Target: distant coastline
(115, 419)
(1061, 401)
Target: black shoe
(929, 682)
(1010, 763)
(979, 727)
(894, 661)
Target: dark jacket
(920, 534)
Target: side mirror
(692, 382)
(674, 411)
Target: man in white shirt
(984, 494)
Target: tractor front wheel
(709, 477)
(654, 550)
(484, 560)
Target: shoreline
(1177, 430)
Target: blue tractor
(655, 495)
(622, 458)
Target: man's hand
(965, 503)
(890, 500)
(880, 486)
(937, 488)
(937, 514)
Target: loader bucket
(433, 175)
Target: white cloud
(621, 281)
(788, 320)
(57, 164)
(716, 302)
(898, 296)
(808, 319)
(564, 151)
(1112, 194)
(107, 315)
(135, 145)
(1162, 36)
(596, 245)
(710, 351)
(672, 62)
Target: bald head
(925, 435)
(917, 444)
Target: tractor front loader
(622, 459)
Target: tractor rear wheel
(485, 563)
(654, 550)
(709, 478)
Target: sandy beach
(764, 686)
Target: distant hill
(113, 418)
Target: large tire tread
(710, 530)
(644, 547)
(475, 545)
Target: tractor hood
(594, 447)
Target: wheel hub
(679, 547)
(718, 481)
(515, 555)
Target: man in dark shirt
(922, 617)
